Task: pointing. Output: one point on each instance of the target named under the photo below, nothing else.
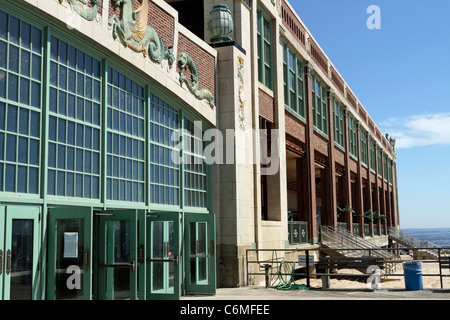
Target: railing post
(440, 268)
(307, 269)
(246, 261)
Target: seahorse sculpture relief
(80, 7)
(186, 61)
(133, 30)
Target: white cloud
(419, 130)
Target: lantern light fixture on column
(220, 24)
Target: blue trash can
(413, 275)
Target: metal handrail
(338, 237)
(305, 271)
(414, 242)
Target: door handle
(131, 265)
(174, 260)
(8, 262)
(141, 253)
(86, 259)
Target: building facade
(141, 156)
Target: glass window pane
(22, 156)
(13, 87)
(25, 63)
(3, 25)
(10, 178)
(33, 180)
(24, 91)
(11, 141)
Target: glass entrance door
(163, 254)
(19, 252)
(69, 253)
(117, 255)
(200, 260)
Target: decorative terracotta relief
(186, 62)
(134, 32)
(241, 93)
(81, 7)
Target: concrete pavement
(261, 293)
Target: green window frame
(379, 159)
(21, 63)
(74, 123)
(385, 166)
(372, 153)
(264, 39)
(320, 105)
(195, 168)
(125, 168)
(164, 173)
(391, 171)
(100, 133)
(294, 85)
(339, 134)
(363, 145)
(352, 136)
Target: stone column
(359, 205)
(330, 171)
(347, 177)
(308, 167)
(369, 184)
(377, 184)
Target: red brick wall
(320, 144)
(162, 22)
(205, 63)
(351, 99)
(294, 128)
(319, 57)
(337, 80)
(362, 113)
(291, 22)
(339, 156)
(265, 105)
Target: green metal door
(163, 256)
(19, 252)
(2, 247)
(69, 253)
(117, 255)
(200, 259)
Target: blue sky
(401, 75)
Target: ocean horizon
(437, 236)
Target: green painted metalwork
(20, 94)
(339, 134)
(352, 136)
(186, 61)
(294, 85)
(20, 248)
(320, 105)
(194, 188)
(72, 220)
(117, 257)
(264, 39)
(200, 256)
(163, 268)
(74, 123)
(125, 139)
(164, 172)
